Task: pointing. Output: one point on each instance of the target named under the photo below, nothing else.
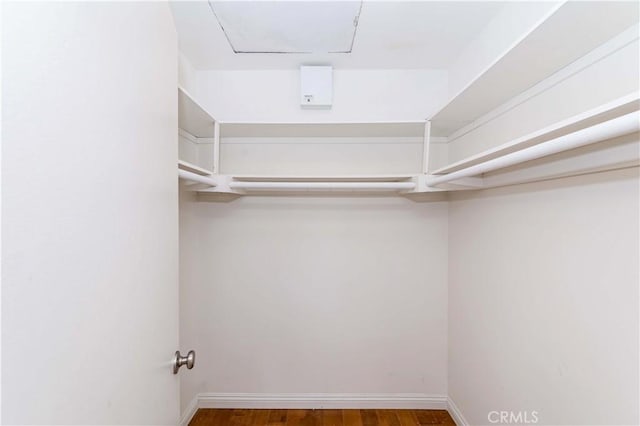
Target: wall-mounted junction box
(316, 86)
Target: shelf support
(216, 148)
(426, 143)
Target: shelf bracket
(426, 143)
(216, 148)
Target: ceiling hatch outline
(351, 10)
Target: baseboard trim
(417, 401)
(455, 413)
(318, 401)
(189, 412)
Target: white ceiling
(288, 27)
(390, 34)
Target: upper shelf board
(192, 117)
(572, 31)
(602, 113)
(371, 129)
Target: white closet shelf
(323, 129)
(613, 120)
(602, 113)
(254, 185)
(193, 118)
(521, 66)
(401, 185)
(185, 165)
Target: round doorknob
(179, 361)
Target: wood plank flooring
(219, 417)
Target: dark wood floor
(211, 417)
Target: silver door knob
(179, 361)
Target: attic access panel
(288, 26)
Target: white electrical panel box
(316, 86)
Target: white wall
(359, 95)
(198, 151)
(187, 75)
(293, 156)
(315, 295)
(543, 300)
(89, 214)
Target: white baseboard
(417, 401)
(455, 413)
(189, 412)
(321, 400)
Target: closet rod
(619, 126)
(183, 174)
(303, 186)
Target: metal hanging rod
(623, 125)
(330, 186)
(183, 174)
